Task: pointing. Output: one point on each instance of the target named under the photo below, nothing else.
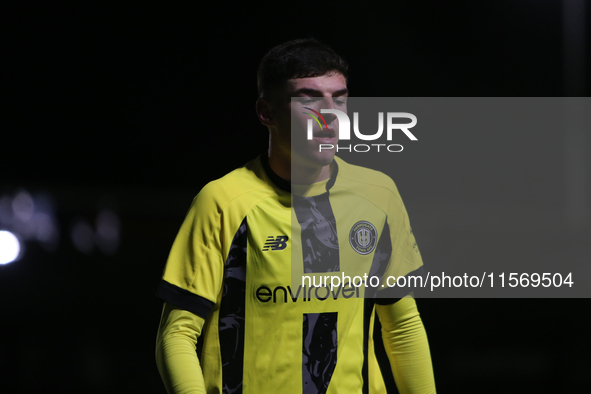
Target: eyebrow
(314, 92)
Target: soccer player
(228, 279)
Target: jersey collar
(286, 185)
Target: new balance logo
(278, 243)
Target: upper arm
(405, 264)
(193, 275)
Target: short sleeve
(194, 270)
(405, 251)
(405, 260)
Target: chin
(327, 159)
(324, 158)
(318, 159)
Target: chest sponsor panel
(283, 312)
(278, 247)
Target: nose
(328, 103)
(329, 118)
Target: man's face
(324, 92)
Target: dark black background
(142, 104)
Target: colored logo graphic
(316, 119)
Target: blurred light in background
(46, 227)
(10, 247)
(107, 231)
(33, 218)
(82, 236)
(46, 232)
(30, 218)
(23, 206)
(105, 236)
(5, 210)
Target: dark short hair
(301, 58)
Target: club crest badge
(363, 237)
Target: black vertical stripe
(320, 241)
(368, 310)
(232, 308)
(319, 351)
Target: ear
(264, 112)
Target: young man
(228, 279)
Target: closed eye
(310, 100)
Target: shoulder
(244, 183)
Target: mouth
(327, 136)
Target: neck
(281, 164)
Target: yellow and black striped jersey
(238, 262)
